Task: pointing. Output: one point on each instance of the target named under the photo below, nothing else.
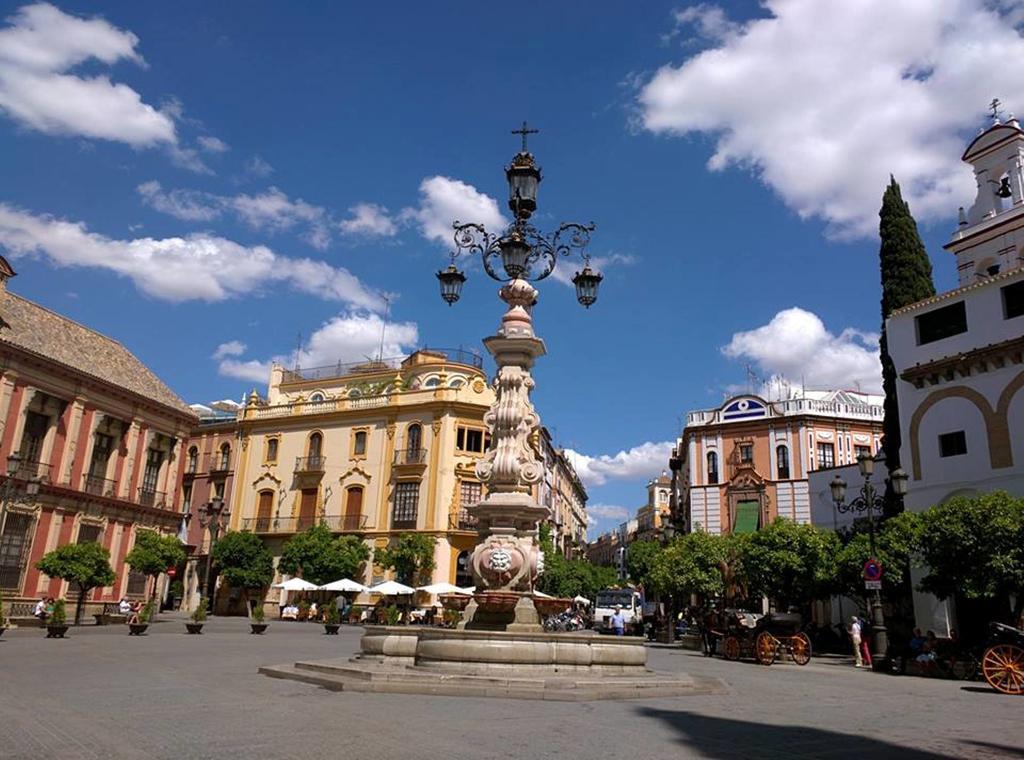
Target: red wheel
(766, 648)
(1003, 667)
(800, 648)
(731, 648)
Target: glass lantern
(523, 182)
(451, 280)
(586, 283)
(515, 254)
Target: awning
(747, 513)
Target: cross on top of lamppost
(524, 131)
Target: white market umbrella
(541, 594)
(443, 588)
(296, 584)
(581, 600)
(345, 585)
(392, 588)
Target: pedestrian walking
(855, 638)
(618, 621)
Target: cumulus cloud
(823, 99)
(198, 266)
(212, 144)
(349, 337)
(564, 271)
(271, 211)
(39, 49)
(643, 461)
(608, 512)
(257, 167)
(231, 348)
(795, 346)
(369, 220)
(444, 200)
(709, 22)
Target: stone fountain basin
(497, 601)
(455, 601)
(547, 606)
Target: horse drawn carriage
(1002, 664)
(764, 638)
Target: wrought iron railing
(341, 369)
(338, 523)
(98, 486)
(219, 463)
(463, 520)
(150, 498)
(315, 463)
(410, 456)
(32, 470)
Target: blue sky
(205, 182)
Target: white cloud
(198, 266)
(40, 47)
(370, 220)
(212, 144)
(608, 512)
(565, 270)
(231, 348)
(444, 200)
(643, 461)
(257, 167)
(796, 346)
(272, 211)
(708, 20)
(823, 99)
(349, 337)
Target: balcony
(97, 486)
(410, 460)
(150, 498)
(313, 465)
(31, 470)
(219, 465)
(462, 520)
(336, 523)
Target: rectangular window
(359, 446)
(102, 445)
(746, 453)
(307, 508)
(154, 458)
(471, 439)
(14, 547)
(859, 451)
(32, 439)
(186, 497)
(271, 449)
(407, 496)
(136, 583)
(952, 444)
(470, 493)
(826, 455)
(941, 323)
(1013, 300)
(218, 489)
(89, 534)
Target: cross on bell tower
(524, 131)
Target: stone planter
(194, 627)
(56, 631)
(546, 607)
(137, 629)
(331, 629)
(455, 601)
(258, 627)
(497, 601)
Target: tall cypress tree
(906, 278)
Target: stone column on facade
(63, 457)
(21, 396)
(138, 440)
(7, 382)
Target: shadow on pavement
(999, 748)
(730, 738)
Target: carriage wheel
(800, 648)
(765, 648)
(1003, 667)
(731, 648)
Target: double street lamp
(869, 501)
(213, 517)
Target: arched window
(456, 382)
(316, 396)
(225, 456)
(782, 462)
(314, 449)
(432, 382)
(193, 459)
(463, 571)
(271, 450)
(712, 467)
(413, 438)
(264, 511)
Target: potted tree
(244, 562)
(85, 566)
(198, 617)
(332, 620)
(141, 623)
(152, 554)
(57, 623)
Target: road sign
(171, 572)
(873, 585)
(872, 570)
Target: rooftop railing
(371, 366)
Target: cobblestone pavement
(103, 694)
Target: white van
(632, 609)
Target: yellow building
(375, 449)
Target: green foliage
(411, 557)
(791, 564)
(975, 546)
(690, 564)
(574, 577)
(59, 616)
(320, 557)
(641, 557)
(199, 614)
(330, 611)
(244, 561)
(87, 566)
(153, 553)
(451, 618)
(392, 615)
(906, 274)
(896, 545)
(258, 614)
(146, 613)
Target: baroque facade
(98, 433)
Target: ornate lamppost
(213, 516)
(507, 558)
(668, 532)
(869, 501)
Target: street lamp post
(868, 501)
(668, 532)
(507, 557)
(212, 516)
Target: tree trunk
(82, 590)
(153, 599)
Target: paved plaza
(103, 694)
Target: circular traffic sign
(872, 570)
